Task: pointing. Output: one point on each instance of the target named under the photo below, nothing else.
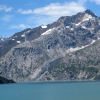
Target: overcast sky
(18, 15)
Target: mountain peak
(88, 11)
(2, 39)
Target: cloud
(20, 26)
(7, 18)
(60, 9)
(51, 12)
(67, 8)
(5, 8)
(21, 11)
(96, 1)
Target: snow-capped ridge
(48, 32)
(85, 18)
(43, 26)
(88, 11)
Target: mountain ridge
(29, 54)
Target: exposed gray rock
(49, 52)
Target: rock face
(4, 80)
(67, 49)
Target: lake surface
(51, 91)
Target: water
(51, 91)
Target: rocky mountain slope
(67, 49)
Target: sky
(17, 15)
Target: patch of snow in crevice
(67, 26)
(28, 31)
(72, 29)
(44, 26)
(78, 24)
(13, 39)
(48, 32)
(23, 35)
(75, 49)
(87, 17)
(2, 39)
(92, 41)
(18, 41)
(78, 48)
(84, 27)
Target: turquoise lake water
(51, 91)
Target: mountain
(2, 39)
(67, 49)
(4, 80)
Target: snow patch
(28, 31)
(48, 32)
(44, 26)
(98, 38)
(13, 39)
(84, 27)
(2, 39)
(92, 41)
(78, 24)
(72, 29)
(67, 26)
(23, 35)
(18, 41)
(79, 48)
(75, 49)
(87, 17)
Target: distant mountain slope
(82, 64)
(34, 54)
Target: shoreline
(41, 82)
